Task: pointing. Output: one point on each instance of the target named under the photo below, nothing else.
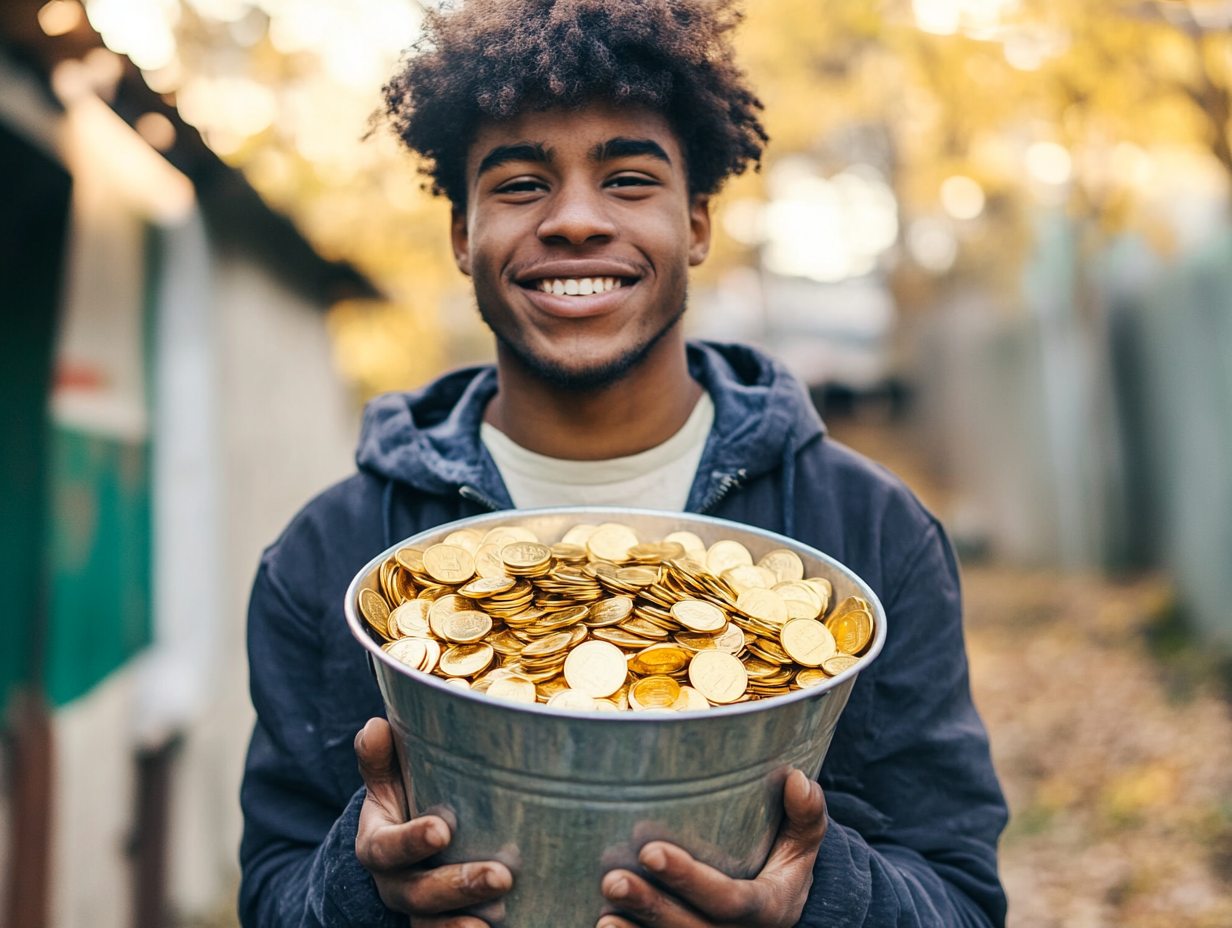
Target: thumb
(804, 821)
(374, 748)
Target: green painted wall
(100, 559)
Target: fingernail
(654, 859)
(620, 888)
(493, 880)
(435, 835)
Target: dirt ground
(1111, 733)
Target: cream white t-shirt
(658, 478)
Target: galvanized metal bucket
(563, 797)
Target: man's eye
(632, 180)
(520, 186)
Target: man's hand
(390, 847)
(702, 896)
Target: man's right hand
(391, 848)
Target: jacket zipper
(467, 492)
(726, 485)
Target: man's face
(578, 234)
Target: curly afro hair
(491, 59)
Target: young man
(579, 141)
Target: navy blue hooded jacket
(915, 807)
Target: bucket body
(563, 797)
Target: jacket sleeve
(913, 834)
(297, 856)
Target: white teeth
(580, 286)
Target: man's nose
(576, 214)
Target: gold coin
(658, 659)
(514, 689)
(811, 676)
(718, 676)
(449, 564)
(731, 641)
(748, 577)
(852, 630)
(644, 628)
(623, 638)
(784, 564)
(596, 668)
(802, 600)
(839, 663)
(487, 586)
(410, 651)
(699, 616)
(807, 642)
(693, 546)
(611, 542)
(695, 641)
(690, 700)
(637, 576)
(460, 682)
(525, 555)
(466, 538)
(723, 555)
(488, 561)
(466, 660)
(824, 590)
(444, 606)
(465, 627)
(766, 605)
(502, 535)
(434, 655)
(566, 552)
(411, 618)
(606, 705)
(610, 612)
(657, 692)
(374, 608)
(552, 644)
(411, 559)
(573, 701)
(579, 534)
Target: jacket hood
(429, 438)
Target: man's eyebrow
(628, 148)
(521, 151)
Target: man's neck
(645, 408)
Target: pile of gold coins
(605, 622)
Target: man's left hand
(701, 897)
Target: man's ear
(459, 237)
(699, 228)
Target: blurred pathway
(1116, 757)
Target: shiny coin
(544, 647)
(824, 590)
(801, 599)
(658, 659)
(522, 556)
(724, 555)
(699, 616)
(572, 700)
(411, 559)
(610, 612)
(579, 534)
(637, 576)
(459, 682)
(811, 676)
(807, 642)
(487, 586)
(766, 605)
(596, 668)
(718, 676)
(611, 542)
(852, 630)
(374, 608)
(488, 562)
(784, 564)
(749, 577)
(466, 660)
(503, 535)
(690, 700)
(466, 538)
(465, 627)
(623, 638)
(514, 689)
(449, 564)
(411, 651)
(839, 663)
(731, 641)
(653, 693)
(411, 618)
(694, 547)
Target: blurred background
(991, 235)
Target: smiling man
(579, 142)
